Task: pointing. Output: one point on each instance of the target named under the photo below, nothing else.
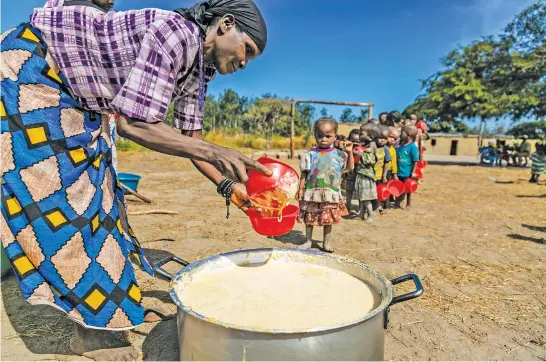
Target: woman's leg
(308, 238)
(328, 239)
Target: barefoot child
(408, 155)
(383, 161)
(320, 186)
(365, 187)
(350, 176)
(392, 140)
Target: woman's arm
(162, 138)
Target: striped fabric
(131, 62)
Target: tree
(493, 77)
(324, 112)
(266, 114)
(347, 116)
(535, 130)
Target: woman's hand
(241, 200)
(233, 164)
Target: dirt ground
(475, 236)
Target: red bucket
(358, 149)
(411, 185)
(383, 192)
(396, 187)
(421, 164)
(283, 176)
(419, 173)
(270, 225)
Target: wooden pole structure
(370, 111)
(480, 136)
(292, 131)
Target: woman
(64, 225)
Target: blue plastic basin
(130, 180)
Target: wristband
(225, 188)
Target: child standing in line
(408, 155)
(319, 193)
(365, 187)
(350, 175)
(383, 161)
(538, 162)
(392, 140)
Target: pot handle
(417, 292)
(160, 263)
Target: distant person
(319, 193)
(383, 118)
(394, 119)
(382, 164)
(373, 121)
(408, 156)
(538, 162)
(350, 176)
(523, 151)
(365, 186)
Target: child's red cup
(283, 177)
(383, 192)
(411, 185)
(358, 149)
(396, 187)
(421, 164)
(273, 225)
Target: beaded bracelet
(225, 188)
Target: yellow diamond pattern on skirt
(78, 155)
(51, 73)
(2, 110)
(37, 96)
(31, 247)
(22, 265)
(13, 206)
(71, 260)
(95, 223)
(36, 135)
(56, 218)
(29, 35)
(134, 293)
(95, 299)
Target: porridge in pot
(278, 295)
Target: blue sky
(346, 50)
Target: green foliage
(492, 78)
(536, 130)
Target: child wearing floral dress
(319, 193)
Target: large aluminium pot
(202, 338)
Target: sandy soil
(475, 236)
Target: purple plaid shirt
(131, 62)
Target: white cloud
(487, 17)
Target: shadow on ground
(527, 238)
(157, 347)
(43, 329)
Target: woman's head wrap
(247, 17)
